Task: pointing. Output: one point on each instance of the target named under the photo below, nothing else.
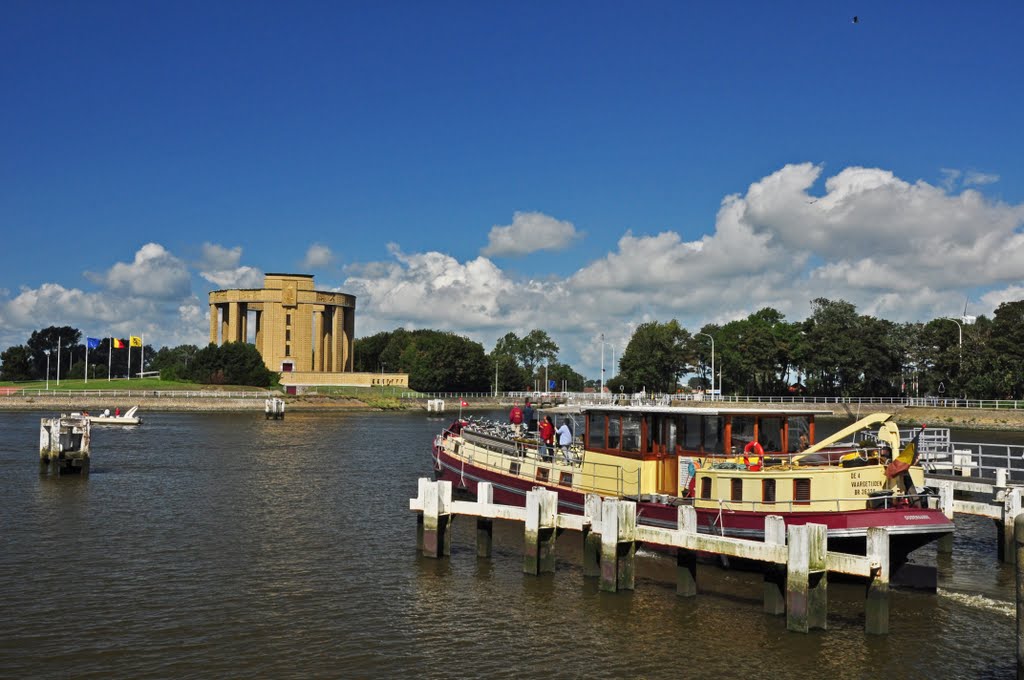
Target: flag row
(116, 343)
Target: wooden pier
(796, 559)
(64, 445)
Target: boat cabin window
(768, 490)
(737, 489)
(796, 426)
(713, 434)
(769, 433)
(691, 433)
(742, 431)
(614, 432)
(595, 431)
(631, 432)
(705, 487)
(802, 491)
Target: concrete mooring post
(618, 545)
(806, 578)
(592, 508)
(64, 445)
(946, 495)
(437, 518)
(484, 525)
(686, 560)
(876, 608)
(539, 541)
(1011, 509)
(774, 574)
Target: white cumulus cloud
(317, 256)
(220, 266)
(529, 232)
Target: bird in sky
(856, 19)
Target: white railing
(166, 394)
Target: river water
(225, 545)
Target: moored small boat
(129, 417)
(734, 466)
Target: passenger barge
(734, 466)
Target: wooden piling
(686, 560)
(539, 541)
(1018, 534)
(592, 535)
(618, 545)
(876, 607)
(484, 525)
(774, 574)
(1011, 509)
(806, 578)
(437, 517)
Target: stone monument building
(305, 334)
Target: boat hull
(113, 420)
(910, 528)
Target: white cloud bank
(896, 249)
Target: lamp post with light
(47, 352)
(712, 361)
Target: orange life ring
(757, 449)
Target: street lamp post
(712, 361)
(603, 343)
(47, 352)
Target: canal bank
(219, 401)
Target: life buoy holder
(758, 451)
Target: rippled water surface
(224, 545)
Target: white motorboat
(129, 417)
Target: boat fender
(758, 451)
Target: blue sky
(580, 167)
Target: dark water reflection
(211, 545)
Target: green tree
(1008, 348)
(233, 363)
(60, 341)
(16, 364)
(172, 362)
(437, 361)
(829, 354)
(655, 357)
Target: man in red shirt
(546, 431)
(515, 416)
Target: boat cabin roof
(697, 410)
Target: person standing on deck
(515, 416)
(546, 430)
(528, 416)
(564, 440)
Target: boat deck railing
(527, 448)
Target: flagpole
(58, 361)
(110, 357)
(86, 359)
(129, 357)
(142, 354)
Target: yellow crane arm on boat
(848, 432)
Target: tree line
(834, 352)
(58, 351)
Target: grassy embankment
(352, 397)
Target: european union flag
(92, 343)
